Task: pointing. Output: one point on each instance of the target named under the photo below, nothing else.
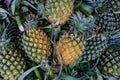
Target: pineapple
(109, 63)
(35, 42)
(108, 21)
(56, 9)
(94, 47)
(69, 48)
(12, 63)
(80, 44)
(113, 5)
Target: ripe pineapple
(80, 43)
(108, 21)
(69, 48)
(59, 8)
(35, 42)
(109, 63)
(11, 61)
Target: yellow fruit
(69, 48)
(59, 8)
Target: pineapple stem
(20, 26)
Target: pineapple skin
(56, 8)
(12, 64)
(113, 5)
(94, 47)
(69, 48)
(109, 63)
(36, 45)
(108, 21)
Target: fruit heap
(81, 43)
(78, 37)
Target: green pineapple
(12, 63)
(113, 5)
(108, 21)
(109, 63)
(35, 42)
(59, 8)
(94, 47)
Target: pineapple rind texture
(113, 5)
(94, 47)
(36, 44)
(69, 48)
(109, 63)
(12, 64)
(59, 8)
(108, 21)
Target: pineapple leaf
(28, 72)
(26, 3)
(3, 13)
(82, 25)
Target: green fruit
(109, 63)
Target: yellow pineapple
(56, 9)
(69, 48)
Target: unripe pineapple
(108, 21)
(113, 5)
(69, 48)
(12, 63)
(94, 47)
(109, 63)
(56, 9)
(35, 42)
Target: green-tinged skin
(94, 47)
(113, 5)
(11, 64)
(108, 21)
(109, 63)
(36, 44)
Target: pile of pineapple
(63, 36)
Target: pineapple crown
(6, 35)
(115, 38)
(30, 21)
(82, 25)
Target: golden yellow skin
(69, 48)
(60, 8)
(36, 44)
